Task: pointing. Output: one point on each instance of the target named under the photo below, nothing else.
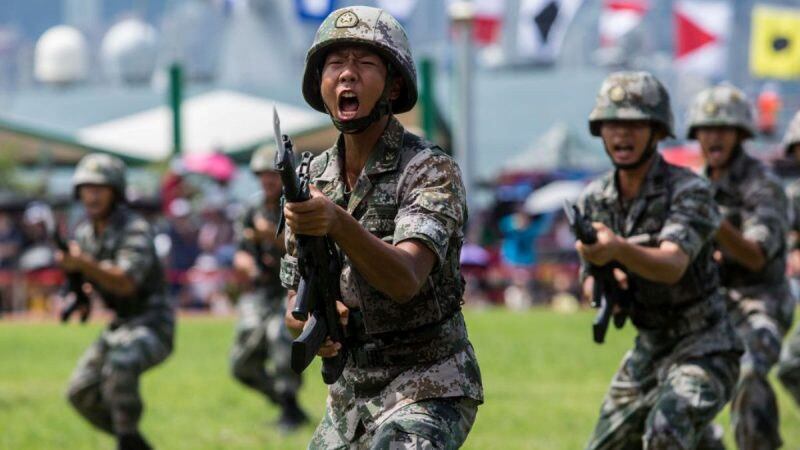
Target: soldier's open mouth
(348, 105)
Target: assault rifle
(319, 267)
(607, 296)
(74, 285)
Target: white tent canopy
(221, 119)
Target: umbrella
(216, 165)
(551, 197)
(474, 255)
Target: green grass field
(544, 380)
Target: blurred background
(183, 91)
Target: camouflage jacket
(752, 199)
(267, 256)
(127, 243)
(408, 189)
(672, 205)
(793, 196)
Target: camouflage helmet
(792, 135)
(368, 26)
(102, 169)
(263, 159)
(722, 105)
(632, 96)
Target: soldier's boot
(134, 441)
(711, 439)
(292, 416)
(754, 414)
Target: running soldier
(752, 255)
(789, 365)
(685, 361)
(113, 251)
(395, 206)
(260, 333)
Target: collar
(384, 158)
(654, 182)
(735, 172)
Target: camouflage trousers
(761, 326)
(439, 423)
(789, 365)
(105, 385)
(262, 348)
(670, 408)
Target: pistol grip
(305, 347)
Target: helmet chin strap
(356, 126)
(649, 151)
(383, 107)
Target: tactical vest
(732, 273)
(384, 331)
(105, 249)
(689, 302)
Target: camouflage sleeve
(693, 217)
(765, 218)
(432, 202)
(290, 275)
(246, 221)
(135, 254)
(793, 196)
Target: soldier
(113, 251)
(685, 360)
(752, 255)
(395, 206)
(260, 333)
(789, 365)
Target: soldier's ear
(396, 88)
(659, 133)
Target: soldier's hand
(621, 277)
(794, 263)
(588, 288)
(264, 229)
(294, 326)
(330, 348)
(604, 250)
(316, 216)
(70, 261)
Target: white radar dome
(61, 56)
(129, 51)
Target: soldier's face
(271, 184)
(718, 144)
(353, 80)
(96, 199)
(626, 140)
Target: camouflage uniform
(413, 377)
(260, 333)
(789, 365)
(105, 385)
(684, 364)
(759, 303)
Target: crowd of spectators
(510, 257)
